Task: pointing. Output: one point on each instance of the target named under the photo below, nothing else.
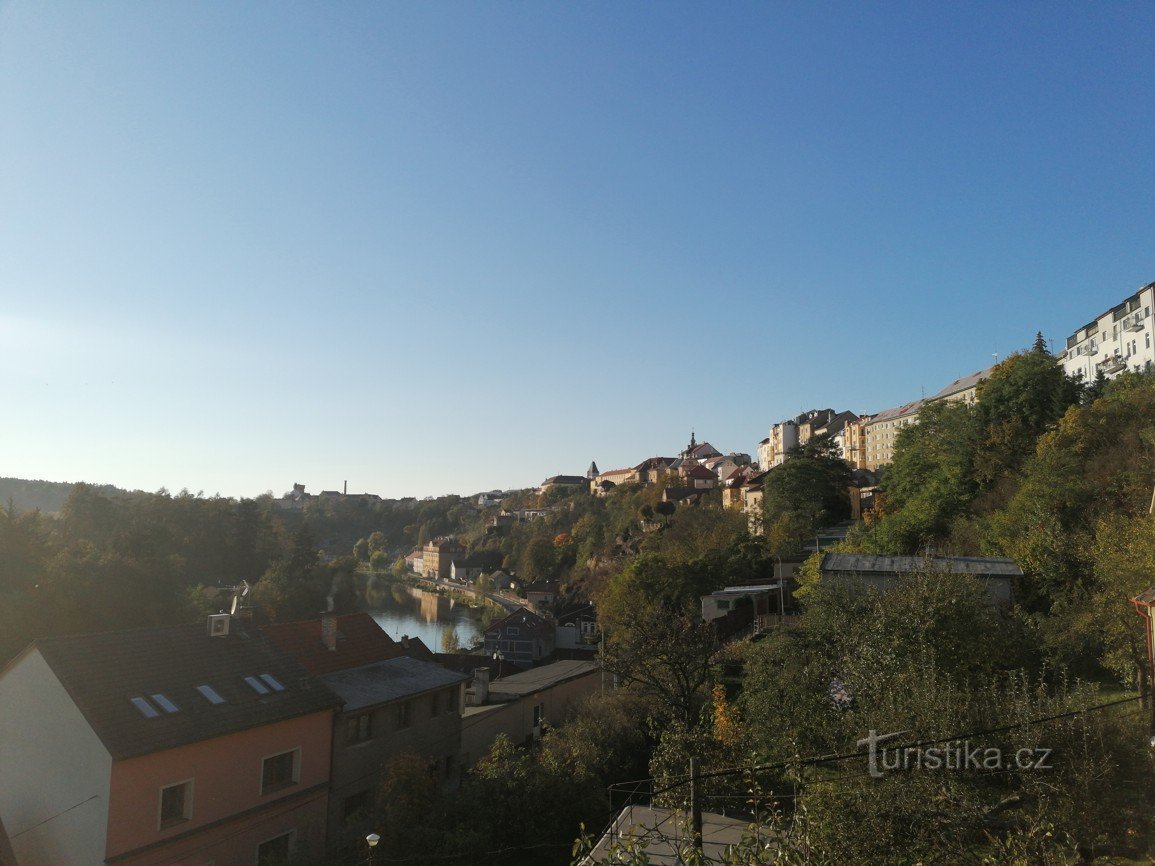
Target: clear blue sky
(435, 247)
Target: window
(403, 715)
(257, 686)
(359, 729)
(279, 771)
(512, 630)
(146, 709)
(538, 715)
(210, 694)
(275, 852)
(165, 704)
(272, 682)
(355, 807)
(175, 804)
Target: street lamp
(372, 839)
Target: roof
(484, 559)
(103, 672)
(654, 463)
(566, 479)
(897, 412)
(701, 472)
(541, 678)
(665, 838)
(610, 472)
(869, 563)
(1146, 598)
(7, 855)
(392, 680)
(359, 641)
(523, 618)
(963, 384)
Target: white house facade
(1117, 340)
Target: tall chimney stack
(329, 631)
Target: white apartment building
(1119, 339)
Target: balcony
(1133, 323)
(1111, 365)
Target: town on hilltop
(922, 634)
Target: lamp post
(372, 839)
(499, 657)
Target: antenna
(239, 592)
(995, 355)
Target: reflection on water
(405, 610)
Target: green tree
(537, 560)
(811, 488)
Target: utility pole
(696, 802)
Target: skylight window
(146, 709)
(164, 703)
(273, 682)
(257, 686)
(210, 694)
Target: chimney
(405, 641)
(480, 685)
(329, 631)
(346, 489)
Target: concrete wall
(481, 725)
(50, 761)
(437, 738)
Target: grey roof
(540, 678)
(966, 382)
(103, 672)
(392, 680)
(575, 480)
(897, 412)
(870, 563)
(665, 835)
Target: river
(405, 610)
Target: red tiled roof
(360, 641)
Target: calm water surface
(405, 610)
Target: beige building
(520, 705)
(881, 431)
(964, 390)
(437, 557)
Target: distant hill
(48, 496)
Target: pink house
(175, 745)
